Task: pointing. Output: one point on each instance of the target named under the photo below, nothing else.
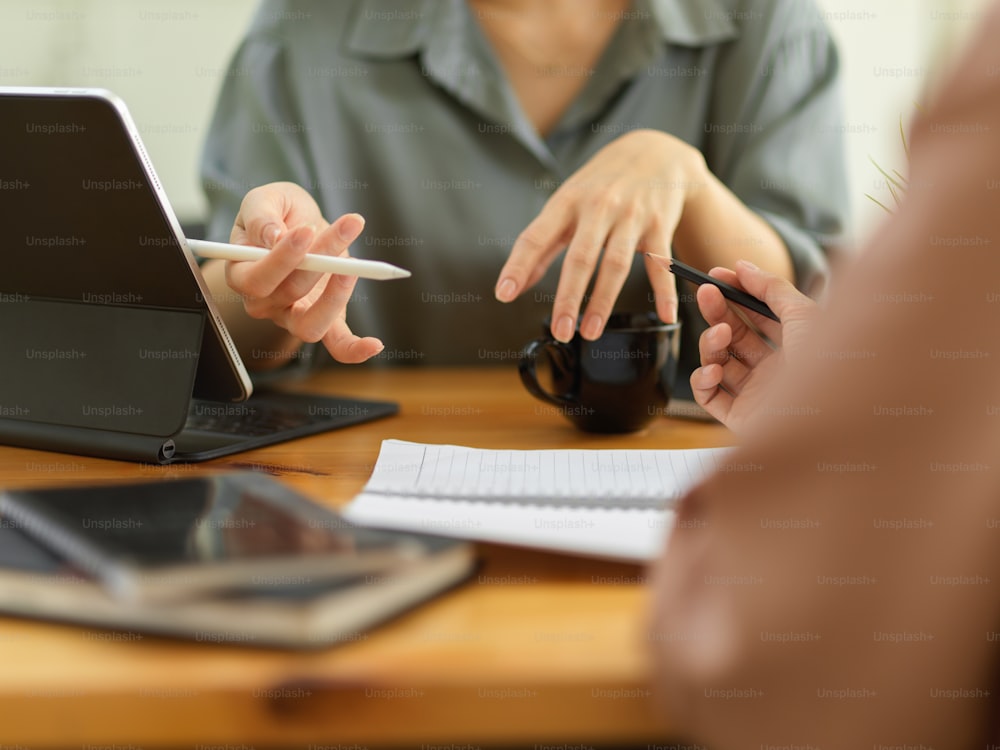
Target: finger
(543, 266)
(259, 279)
(261, 218)
(334, 240)
(715, 347)
(663, 283)
(615, 266)
(713, 305)
(656, 243)
(265, 237)
(744, 344)
(706, 386)
(787, 302)
(317, 318)
(713, 344)
(310, 318)
(325, 318)
(760, 325)
(578, 268)
(337, 238)
(348, 348)
(534, 249)
(269, 210)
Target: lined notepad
(606, 503)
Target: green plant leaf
(878, 203)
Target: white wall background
(891, 51)
(167, 60)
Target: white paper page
(605, 503)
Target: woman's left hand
(630, 197)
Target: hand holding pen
(741, 354)
(285, 286)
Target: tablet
(184, 539)
(87, 224)
(112, 345)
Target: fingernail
(507, 290)
(271, 235)
(563, 330)
(345, 231)
(747, 264)
(591, 327)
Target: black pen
(728, 291)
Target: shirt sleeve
(775, 129)
(257, 134)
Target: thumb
(262, 217)
(787, 302)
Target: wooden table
(534, 648)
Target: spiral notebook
(603, 503)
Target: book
(165, 540)
(36, 582)
(614, 504)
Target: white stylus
(365, 269)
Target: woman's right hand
(311, 306)
(737, 364)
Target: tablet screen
(82, 222)
(177, 538)
(86, 221)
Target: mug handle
(562, 358)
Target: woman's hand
(628, 198)
(311, 306)
(737, 364)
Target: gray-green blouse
(399, 110)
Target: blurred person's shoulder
(954, 132)
(972, 79)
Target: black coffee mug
(618, 383)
